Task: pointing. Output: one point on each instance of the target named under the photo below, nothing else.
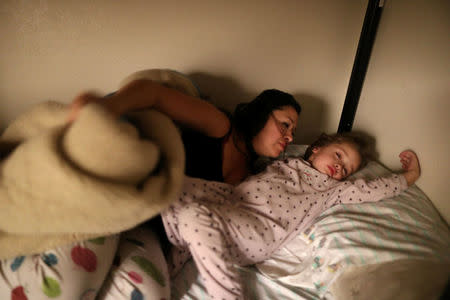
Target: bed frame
(366, 41)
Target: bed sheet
(187, 285)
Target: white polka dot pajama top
(222, 225)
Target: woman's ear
(315, 149)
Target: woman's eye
(285, 125)
(338, 155)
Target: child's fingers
(409, 160)
(405, 160)
(406, 154)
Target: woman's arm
(189, 111)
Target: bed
(397, 248)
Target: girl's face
(336, 160)
(277, 133)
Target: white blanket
(60, 184)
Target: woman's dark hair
(250, 118)
(365, 144)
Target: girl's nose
(337, 166)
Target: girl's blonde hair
(364, 144)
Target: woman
(262, 127)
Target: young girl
(221, 225)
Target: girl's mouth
(332, 171)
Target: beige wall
(234, 49)
(405, 101)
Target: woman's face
(277, 133)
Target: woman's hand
(79, 102)
(410, 165)
(140, 94)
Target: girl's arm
(189, 111)
(410, 165)
(362, 190)
(380, 188)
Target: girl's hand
(410, 165)
(79, 102)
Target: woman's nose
(288, 137)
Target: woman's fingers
(78, 103)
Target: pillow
(346, 238)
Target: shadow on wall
(226, 93)
(312, 119)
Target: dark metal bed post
(366, 40)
